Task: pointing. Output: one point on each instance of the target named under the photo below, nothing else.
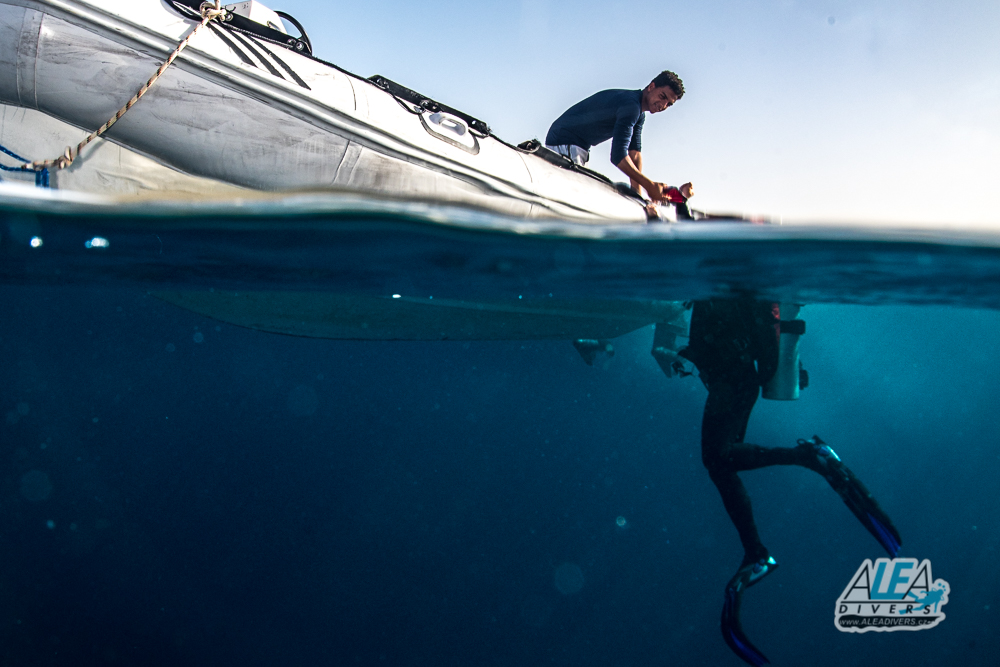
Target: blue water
(180, 490)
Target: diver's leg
(731, 398)
(727, 412)
(744, 456)
(737, 503)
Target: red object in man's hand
(673, 195)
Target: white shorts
(578, 155)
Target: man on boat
(619, 115)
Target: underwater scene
(188, 478)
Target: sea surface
(176, 489)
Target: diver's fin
(732, 630)
(589, 349)
(856, 495)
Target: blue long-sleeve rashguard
(609, 114)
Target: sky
(808, 111)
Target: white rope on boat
(209, 12)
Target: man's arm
(636, 157)
(686, 190)
(637, 178)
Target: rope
(13, 155)
(208, 13)
(41, 175)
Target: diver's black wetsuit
(734, 344)
(727, 338)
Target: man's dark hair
(668, 78)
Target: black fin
(732, 631)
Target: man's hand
(656, 191)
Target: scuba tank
(789, 377)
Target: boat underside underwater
(353, 317)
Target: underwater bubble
(569, 578)
(302, 401)
(50, 524)
(621, 521)
(199, 337)
(35, 486)
(171, 347)
(37, 242)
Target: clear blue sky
(831, 110)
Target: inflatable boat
(246, 105)
(233, 107)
